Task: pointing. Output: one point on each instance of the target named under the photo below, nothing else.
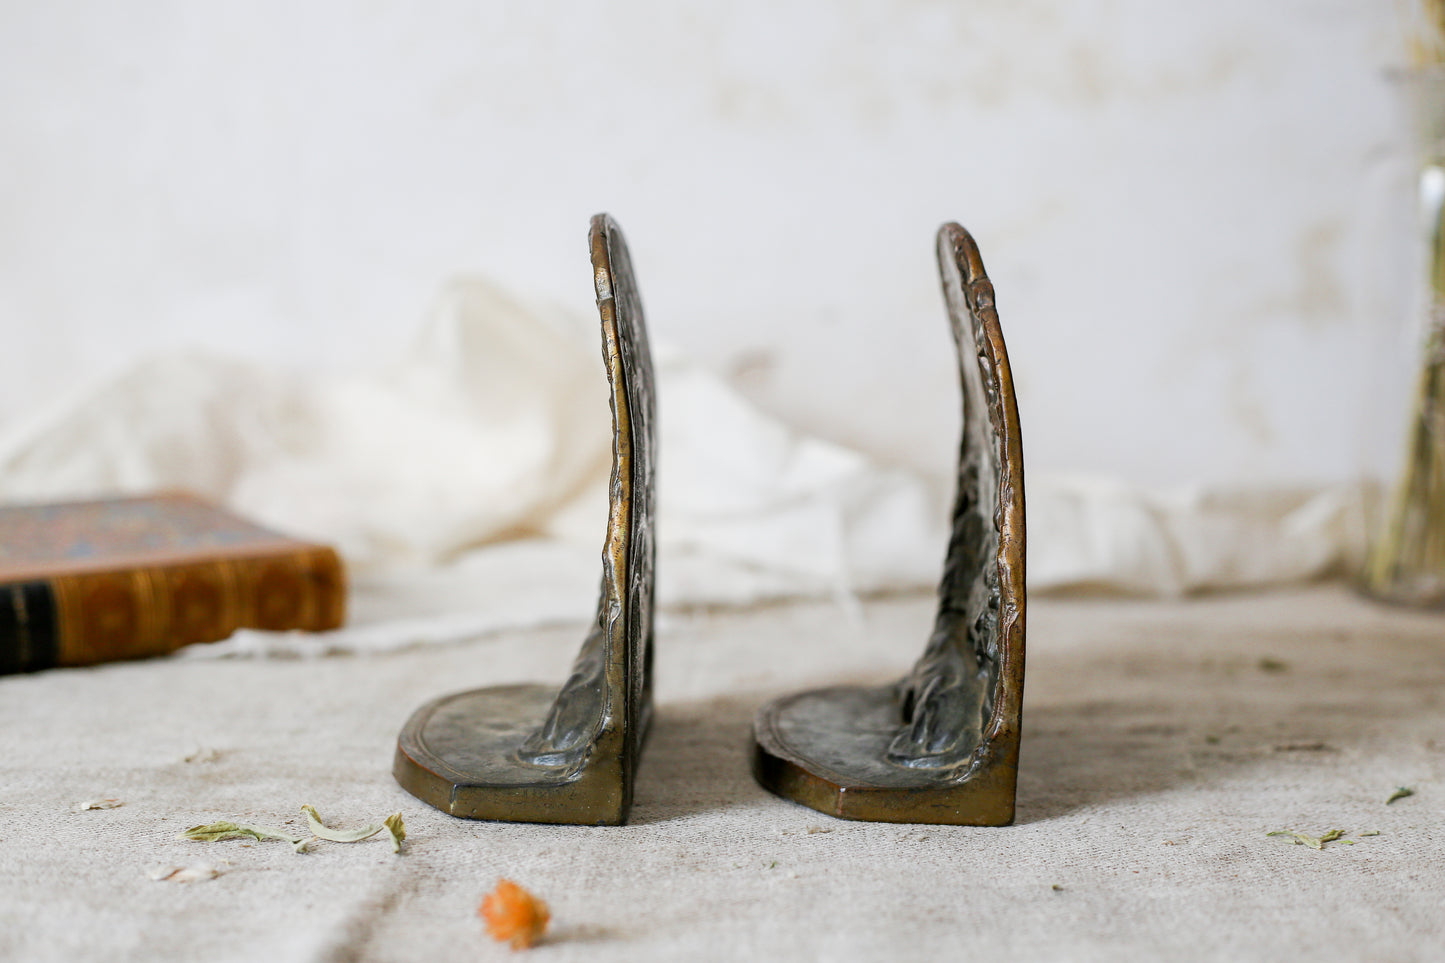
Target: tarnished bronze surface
(532, 753)
(942, 744)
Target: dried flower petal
(397, 829)
(514, 915)
(215, 832)
(320, 830)
(184, 874)
(90, 804)
(1304, 839)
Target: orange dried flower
(513, 914)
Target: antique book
(124, 578)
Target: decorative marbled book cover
(96, 581)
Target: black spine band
(29, 629)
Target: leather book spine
(108, 615)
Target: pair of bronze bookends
(939, 746)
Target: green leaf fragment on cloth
(216, 832)
(1304, 839)
(1400, 793)
(397, 829)
(320, 829)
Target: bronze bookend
(530, 753)
(942, 744)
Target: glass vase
(1406, 562)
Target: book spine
(105, 616)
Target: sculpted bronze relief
(532, 753)
(942, 744)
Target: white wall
(1171, 198)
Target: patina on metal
(531, 753)
(942, 744)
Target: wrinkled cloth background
(465, 485)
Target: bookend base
(459, 753)
(827, 749)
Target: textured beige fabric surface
(1158, 751)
